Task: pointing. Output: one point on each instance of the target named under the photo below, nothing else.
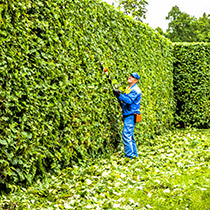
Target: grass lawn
(171, 172)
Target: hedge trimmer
(105, 70)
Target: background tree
(135, 8)
(185, 28)
(202, 26)
(180, 28)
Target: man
(131, 105)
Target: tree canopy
(185, 28)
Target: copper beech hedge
(192, 84)
(56, 105)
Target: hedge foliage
(56, 104)
(192, 84)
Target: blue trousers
(128, 137)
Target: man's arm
(129, 98)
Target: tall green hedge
(192, 84)
(56, 104)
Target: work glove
(117, 93)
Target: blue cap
(135, 75)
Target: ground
(171, 172)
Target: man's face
(132, 80)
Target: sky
(158, 10)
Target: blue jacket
(131, 100)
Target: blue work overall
(131, 105)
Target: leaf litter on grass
(172, 172)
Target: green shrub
(192, 84)
(56, 104)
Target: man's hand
(117, 93)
